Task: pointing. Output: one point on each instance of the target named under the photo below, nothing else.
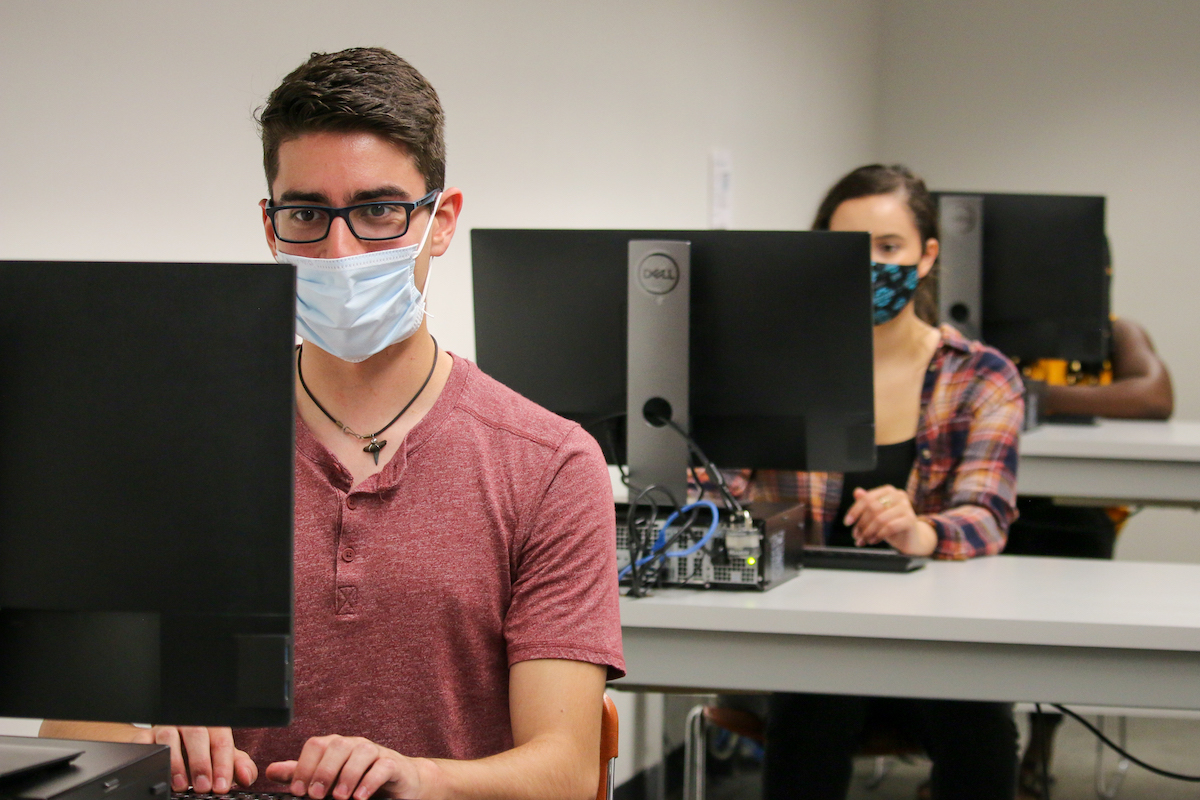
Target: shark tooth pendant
(374, 447)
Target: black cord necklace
(375, 445)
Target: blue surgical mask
(356, 306)
(892, 288)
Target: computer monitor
(780, 337)
(1041, 267)
(146, 430)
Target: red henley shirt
(488, 539)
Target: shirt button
(347, 554)
(352, 502)
(925, 454)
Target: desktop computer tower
(754, 551)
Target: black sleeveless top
(893, 463)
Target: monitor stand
(960, 284)
(657, 363)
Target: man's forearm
(89, 731)
(1137, 398)
(547, 768)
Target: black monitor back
(146, 429)
(1045, 281)
(781, 345)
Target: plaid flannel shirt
(964, 481)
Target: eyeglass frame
(344, 212)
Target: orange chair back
(608, 747)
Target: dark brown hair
(880, 179)
(363, 89)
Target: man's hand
(208, 752)
(353, 767)
(885, 514)
(555, 706)
(203, 758)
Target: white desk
(1115, 462)
(1131, 462)
(1002, 628)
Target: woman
(948, 412)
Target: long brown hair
(875, 179)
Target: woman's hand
(885, 514)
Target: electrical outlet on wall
(720, 213)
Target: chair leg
(694, 746)
(1106, 790)
(883, 766)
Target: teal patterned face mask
(892, 287)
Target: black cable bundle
(640, 544)
(643, 532)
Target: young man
(456, 596)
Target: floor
(1172, 744)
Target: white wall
(129, 133)
(128, 129)
(1096, 97)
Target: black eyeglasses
(372, 222)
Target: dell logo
(658, 274)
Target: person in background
(948, 413)
(1140, 389)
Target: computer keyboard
(864, 558)
(237, 794)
